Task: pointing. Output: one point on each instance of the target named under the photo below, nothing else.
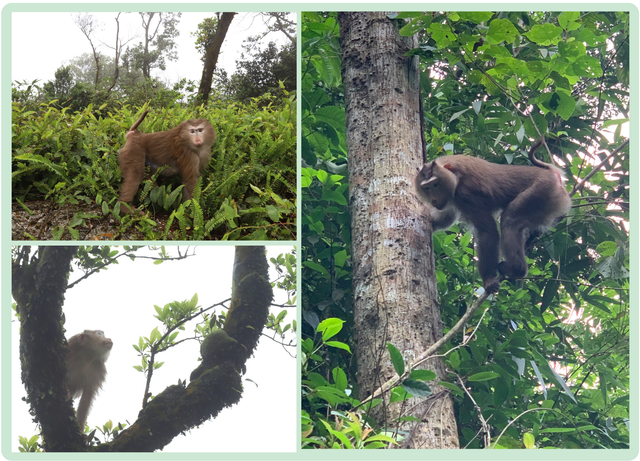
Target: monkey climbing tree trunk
(393, 267)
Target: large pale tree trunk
(393, 268)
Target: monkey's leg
(189, 185)
(488, 239)
(522, 213)
(132, 171)
(515, 262)
(190, 171)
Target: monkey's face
(97, 345)
(197, 135)
(436, 194)
(432, 188)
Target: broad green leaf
(501, 30)
(483, 376)
(475, 17)
(396, 358)
(330, 327)
(416, 388)
(529, 440)
(423, 375)
(545, 34)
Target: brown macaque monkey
(86, 354)
(472, 190)
(185, 149)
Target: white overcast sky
(120, 302)
(36, 58)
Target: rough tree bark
(38, 286)
(211, 56)
(393, 268)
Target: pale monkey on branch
(86, 354)
(472, 190)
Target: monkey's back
(493, 186)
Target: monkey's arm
(443, 219)
(84, 406)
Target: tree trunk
(38, 286)
(218, 385)
(393, 268)
(211, 56)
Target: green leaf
(418, 24)
(340, 258)
(475, 17)
(272, 212)
(155, 336)
(568, 20)
(566, 105)
(483, 376)
(545, 34)
(416, 388)
(452, 387)
(330, 327)
(339, 345)
(501, 30)
(335, 196)
(587, 66)
(396, 358)
(529, 440)
(317, 267)
(422, 375)
(340, 378)
(454, 359)
(398, 394)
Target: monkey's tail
(532, 157)
(135, 125)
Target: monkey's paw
(492, 285)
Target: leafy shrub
(248, 190)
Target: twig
(581, 184)
(427, 353)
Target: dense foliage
(548, 365)
(261, 71)
(248, 190)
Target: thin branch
(485, 425)
(112, 260)
(578, 187)
(427, 353)
(155, 349)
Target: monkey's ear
(449, 167)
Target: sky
(65, 41)
(120, 301)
